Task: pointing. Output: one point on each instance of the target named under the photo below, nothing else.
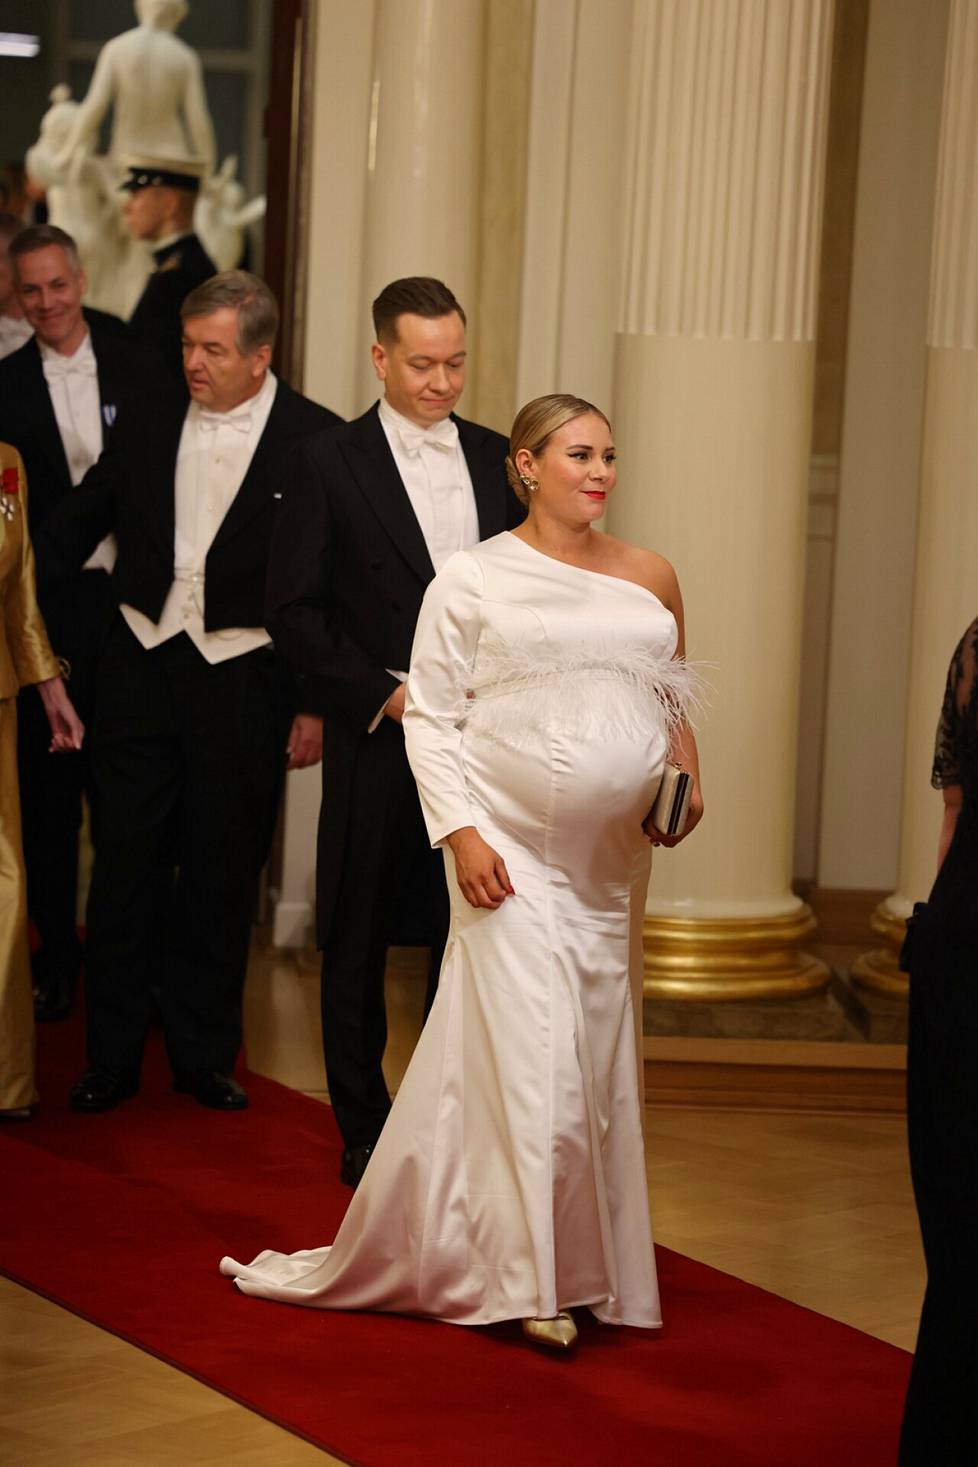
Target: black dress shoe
(211, 1088)
(101, 1089)
(354, 1164)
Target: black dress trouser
(940, 1427)
(392, 891)
(188, 760)
(51, 786)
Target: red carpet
(122, 1218)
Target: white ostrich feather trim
(625, 690)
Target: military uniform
(180, 264)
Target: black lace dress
(940, 1426)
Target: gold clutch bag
(671, 806)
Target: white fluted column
(725, 164)
(395, 170)
(572, 252)
(944, 574)
(424, 163)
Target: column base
(731, 958)
(877, 970)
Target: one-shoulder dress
(509, 1180)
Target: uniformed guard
(159, 208)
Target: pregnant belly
(562, 796)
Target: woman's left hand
(692, 820)
(67, 729)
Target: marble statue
(83, 199)
(153, 83)
(222, 215)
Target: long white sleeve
(444, 648)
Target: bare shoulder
(646, 567)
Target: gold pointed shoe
(559, 1333)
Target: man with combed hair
(196, 719)
(375, 509)
(15, 328)
(63, 395)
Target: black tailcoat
(347, 575)
(78, 609)
(130, 492)
(27, 420)
(188, 756)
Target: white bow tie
(59, 366)
(210, 422)
(440, 435)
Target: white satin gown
(509, 1180)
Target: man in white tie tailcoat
(63, 394)
(375, 508)
(197, 719)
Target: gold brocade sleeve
(25, 652)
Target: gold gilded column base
(877, 970)
(710, 958)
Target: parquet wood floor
(816, 1208)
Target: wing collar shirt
(433, 470)
(213, 459)
(74, 391)
(436, 478)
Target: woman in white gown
(547, 688)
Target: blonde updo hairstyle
(535, 425)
